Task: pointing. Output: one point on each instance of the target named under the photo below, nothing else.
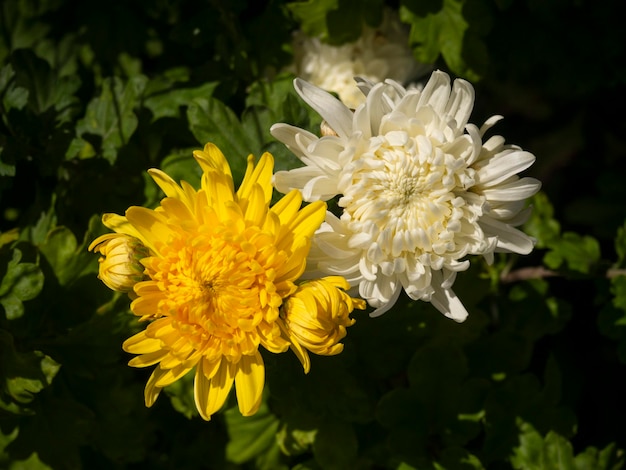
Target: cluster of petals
(419, 189)
(219, 279)
(379, 53)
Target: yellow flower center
(218, 287)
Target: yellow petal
(141, 344)
(255, 207)
(172, 375)
(218, 189)
(146, 304)
(100, 239)
(169, 186)
(210, 395)
(151, 225)
(288, 206)
(260, 174)
(297, 349)
(212, 158)
(294, 267)
(120, 224)
(308, 220)
(177, 209)
(209, 368)
(249, 382)
(151, 392)
(148, 359)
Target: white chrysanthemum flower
(379, 53)
(420, 190)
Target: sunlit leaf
(64, 255)
(45, 89)
(578, 253)
(21, 282)
(23, 375)
(312, 15)
(251, 436)
(440, 31)
(110, 116)
(213, 121)
(168, 102)
(542, 225)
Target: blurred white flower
(379, 53)
(420, 190)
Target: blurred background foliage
(92, 94)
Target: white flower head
(379, 53)
(419, 189)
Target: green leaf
(183, 166)
(541, 224)
(439, 32)
(67, 259)
(458, 458)
(620, 245)
(554, 451)
(16, 97)
(535, 453)
(336, 21)
(401, 409)
(181, 395)
(579, 253)
(13, 96)
(311, 15)
(21, 282)
(57, 432)
(9, 463)
(212, 121)
(618, 289)
(295, 441)
(335, 445)
(45, 89)
(436, 370)
(609, 458)
(270, 102)
(24, 374)
(19, 30)
(250, 436)
(110, 116)
(168, 102)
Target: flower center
(406, 195)
(219, 287)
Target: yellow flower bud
(317, 314)
(120, 265)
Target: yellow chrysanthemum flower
(221, 269)
(120, 265)
(316, 317)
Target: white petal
(504, 165)
(446, 301)
(461, 102)
(335, 113)
(494, 144)
(513, 191)
(323, 153)
(386, 307)
(489, 124)
(511, 213)
(509, 238)
(436, 92)
(287, 134)
(285, 181)
(375, 109)
(364, 84)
